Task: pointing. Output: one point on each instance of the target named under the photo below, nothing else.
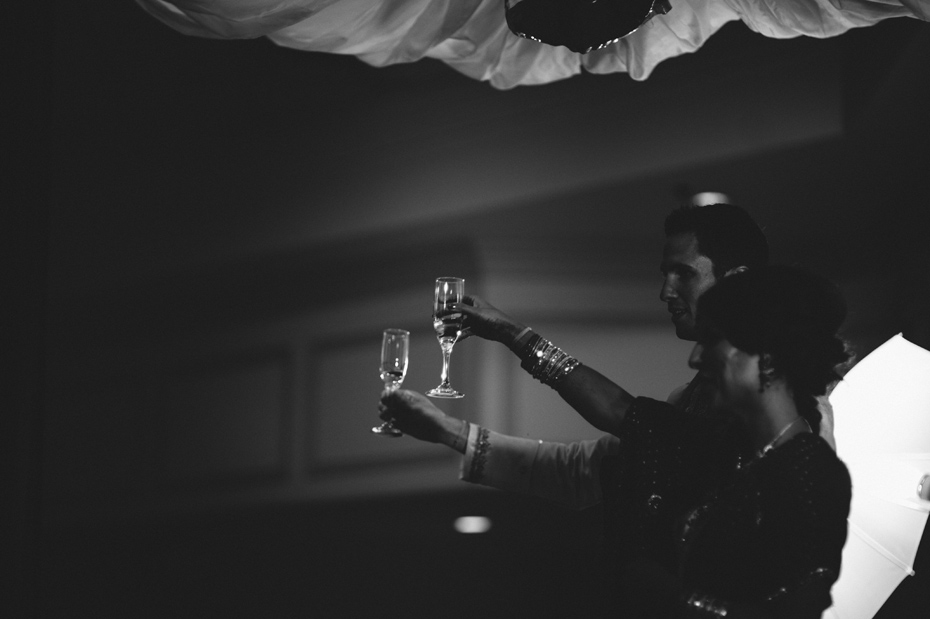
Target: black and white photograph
(441, 309)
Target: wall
(189, 393)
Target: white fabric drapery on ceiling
(472, 37)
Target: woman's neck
(777, 419)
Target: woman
(766, 539)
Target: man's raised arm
(599, 400)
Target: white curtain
(472, 36)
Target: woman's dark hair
(725, 233)
(788, 313)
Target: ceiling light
(709, 197)
(472, 524)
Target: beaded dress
(668, 460)
(776, 525)
(685, 492)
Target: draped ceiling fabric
(472, 37)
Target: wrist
(545, 362)
(455, 434)
(517, 336)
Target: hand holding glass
(395, 347)
(448, 325)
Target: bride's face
(734, 372)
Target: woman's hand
(487, 322)
(413, 414)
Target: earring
(765, 373)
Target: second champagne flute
(447, 323)
(395, 347)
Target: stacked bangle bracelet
(545, 361)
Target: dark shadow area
(385, 558)
(399, 557)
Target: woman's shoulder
(655, 420)
(813, 448)
(811, 456)
(647, 415)
(811, 474)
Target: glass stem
(446, 357)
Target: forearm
(566, 473)
(414, 415)
(453, 433)
(599, 400)
(595, 397)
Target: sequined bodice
(774, 521)
(668, 460)
(684, 491)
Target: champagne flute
(395, 347)
(448, 325)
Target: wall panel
(345, 384)
(225, 419)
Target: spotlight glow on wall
(472, 524)
(709, 197)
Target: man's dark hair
(725, 233)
